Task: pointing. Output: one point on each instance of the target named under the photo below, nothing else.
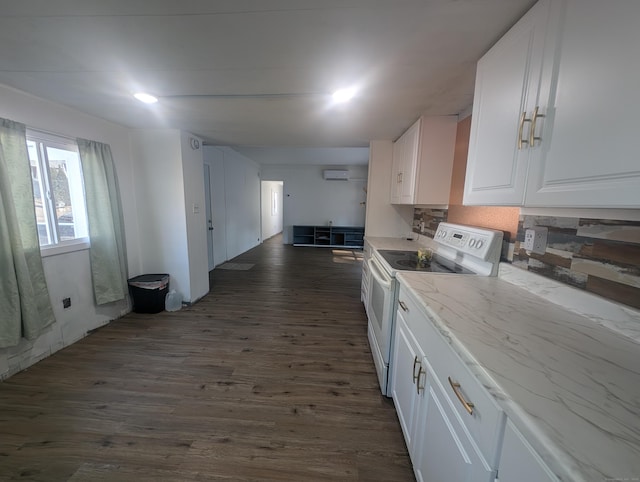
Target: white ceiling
(254, 72)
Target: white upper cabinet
(423, 162)
(506, 86)
(554, 109)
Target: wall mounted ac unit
(336, 175)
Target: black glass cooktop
(408, 261)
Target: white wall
(169, 189)
(68, 275)
(310, 200)
(241, 199)
(271, 221)
(383, 218)
(196, 219)
(161, 202)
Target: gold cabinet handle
(468, 406)
(403, 305)
(532, 132)
(523, 119)
(418, 387)
(415, 362)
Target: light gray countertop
(570, 385)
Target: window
(58, 190)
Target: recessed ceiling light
(146, 98)
(343, 95)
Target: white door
(588, 155)
(208, 210)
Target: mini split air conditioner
(336, 175)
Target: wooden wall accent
(597, 255)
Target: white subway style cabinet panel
(554, 110)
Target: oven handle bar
(377, 273)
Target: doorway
(271, 216)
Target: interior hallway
(268, 377)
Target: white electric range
(457, 250)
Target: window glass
(58, 190)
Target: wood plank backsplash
(601, 256)
(597, 255)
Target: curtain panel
(25, 306)
(106, 227)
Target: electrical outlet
(535, 240)
(66, 303)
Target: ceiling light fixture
(146, 98)
(343, 95)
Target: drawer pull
(415, 362)
(468, 406)
(403, 305)
(418, 387)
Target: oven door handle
(377, 273)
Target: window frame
(44, 140)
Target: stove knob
(479, 244)
(472, 243)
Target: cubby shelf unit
(329, 236)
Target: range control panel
(479, 242)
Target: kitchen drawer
(486, 422)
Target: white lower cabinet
(407, 377)
(441, 442)
(519, 462)
(454, 430)
(447, 453)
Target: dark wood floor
(269, 377)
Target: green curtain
(25, 307)
(104, 213)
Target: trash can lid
(150, 281)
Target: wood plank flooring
(268, 378)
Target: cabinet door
(519, 462)
(507, 81)
(446, 452)
(406, 372)
(587, 156)
(397, 168)
(410, 163)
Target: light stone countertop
(571, 386)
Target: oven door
(380, 312)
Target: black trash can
(148, 292)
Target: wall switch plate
(535, 240)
